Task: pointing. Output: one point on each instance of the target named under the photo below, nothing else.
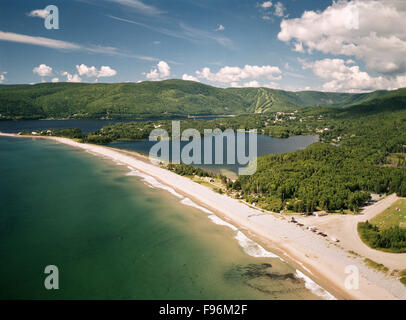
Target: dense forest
(351, 161)
(163, 99)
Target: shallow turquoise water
(114, 237)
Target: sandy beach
(321, 259)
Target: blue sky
(220, 42)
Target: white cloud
(235, 74)
(152, 75)
(272, 85)
(251, 84)
(266, 4)
(84, 70)
(64, 45)
(189, 78)
(279, 9)
(369, 30)
(220, 28)
(164, 69)
(90, 72)
(43, 70)
(160, 72)
(147, 58)
(106, 71)
(2, 76)
(297, 89)
(139, 6)
(38, 41)
(344, 76)
(299, 47)
(39, 13)
(255, 84)
(71, 78)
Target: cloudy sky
(342, 45)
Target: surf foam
(221, 222)
(314, 287)
(252, 248)
(153, 182)
(190, 203)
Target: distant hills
(170, 98)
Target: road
(344, 228)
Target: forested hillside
(353, 159)
(170, 98)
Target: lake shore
(318, 258)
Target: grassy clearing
(392, 217)
(387, 231)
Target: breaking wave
(153, 182)
(221, 222)
(252, 248)
(190, 203)
(314, 287)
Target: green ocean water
(112, 236)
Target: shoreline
(318, 258)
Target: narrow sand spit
(318, 258)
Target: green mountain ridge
(169, 98)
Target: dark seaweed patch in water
(260, 277)
(253, 271)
